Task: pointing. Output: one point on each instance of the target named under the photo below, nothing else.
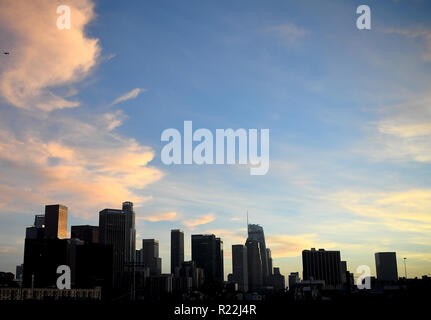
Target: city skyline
(150, 250)
(82, 112)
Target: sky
(349, 114)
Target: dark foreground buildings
(322, 265)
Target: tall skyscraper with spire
(255, 232)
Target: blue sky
(349, 114)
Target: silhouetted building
(240, 267)
(159, 285)
(37, 231)
(41, 260)
(255, 232)
(150, 256)
(219, 276)
(254, 263)
(322, 265)
(344, 273)
(94, 266)
(269, 256)
(293, 280)
(86, 233)
(277, 281)
(55, 221)
(39, 221)
(188, 277)
(386, 266)
(130, 232)
(204, 254)
(117, 229)
(34, 233)
(177, 249)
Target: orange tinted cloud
(43, 57)
(207, 218)
(166, 216)
(87, 168)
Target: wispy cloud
(204, 219)
(405, 211)
(403, 133)
(165, 216)
(288, 32)
(42, 56)
(129, 95)
(415, 32)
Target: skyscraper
(255, 232)
(86, 233)
(219, 275)
(386, 266)
(39, 221)
(37, 231)
(130, 231)
(177, 249)
(204, 254)
(117, 228)
(55, 221)
(240, 267)
(150, 256)
(254, 263)
(322, 265)
(269, 256)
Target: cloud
(403, 133)
(405, 211)
(42, 56)
(84, 166)
(288, 32)
(417, 32)
(204, 219)
(7, 250)
(129, 95)
(166, 216)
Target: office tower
(343, 272)
(37, 230)
(255, 232)
(55, 221)
(130, 232)
(74, 244)
(204, 254)
(39, 221)
(322, 265)
(254, 263)
(150, 256)
(293, 280)
(117, 229)
(86, 233)
(94, 266)
(277, 281)
(386, 266)
(177, 249)
(188, 276)
(269, 256)
(240, 267)
(219, 275)
(41, 260)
